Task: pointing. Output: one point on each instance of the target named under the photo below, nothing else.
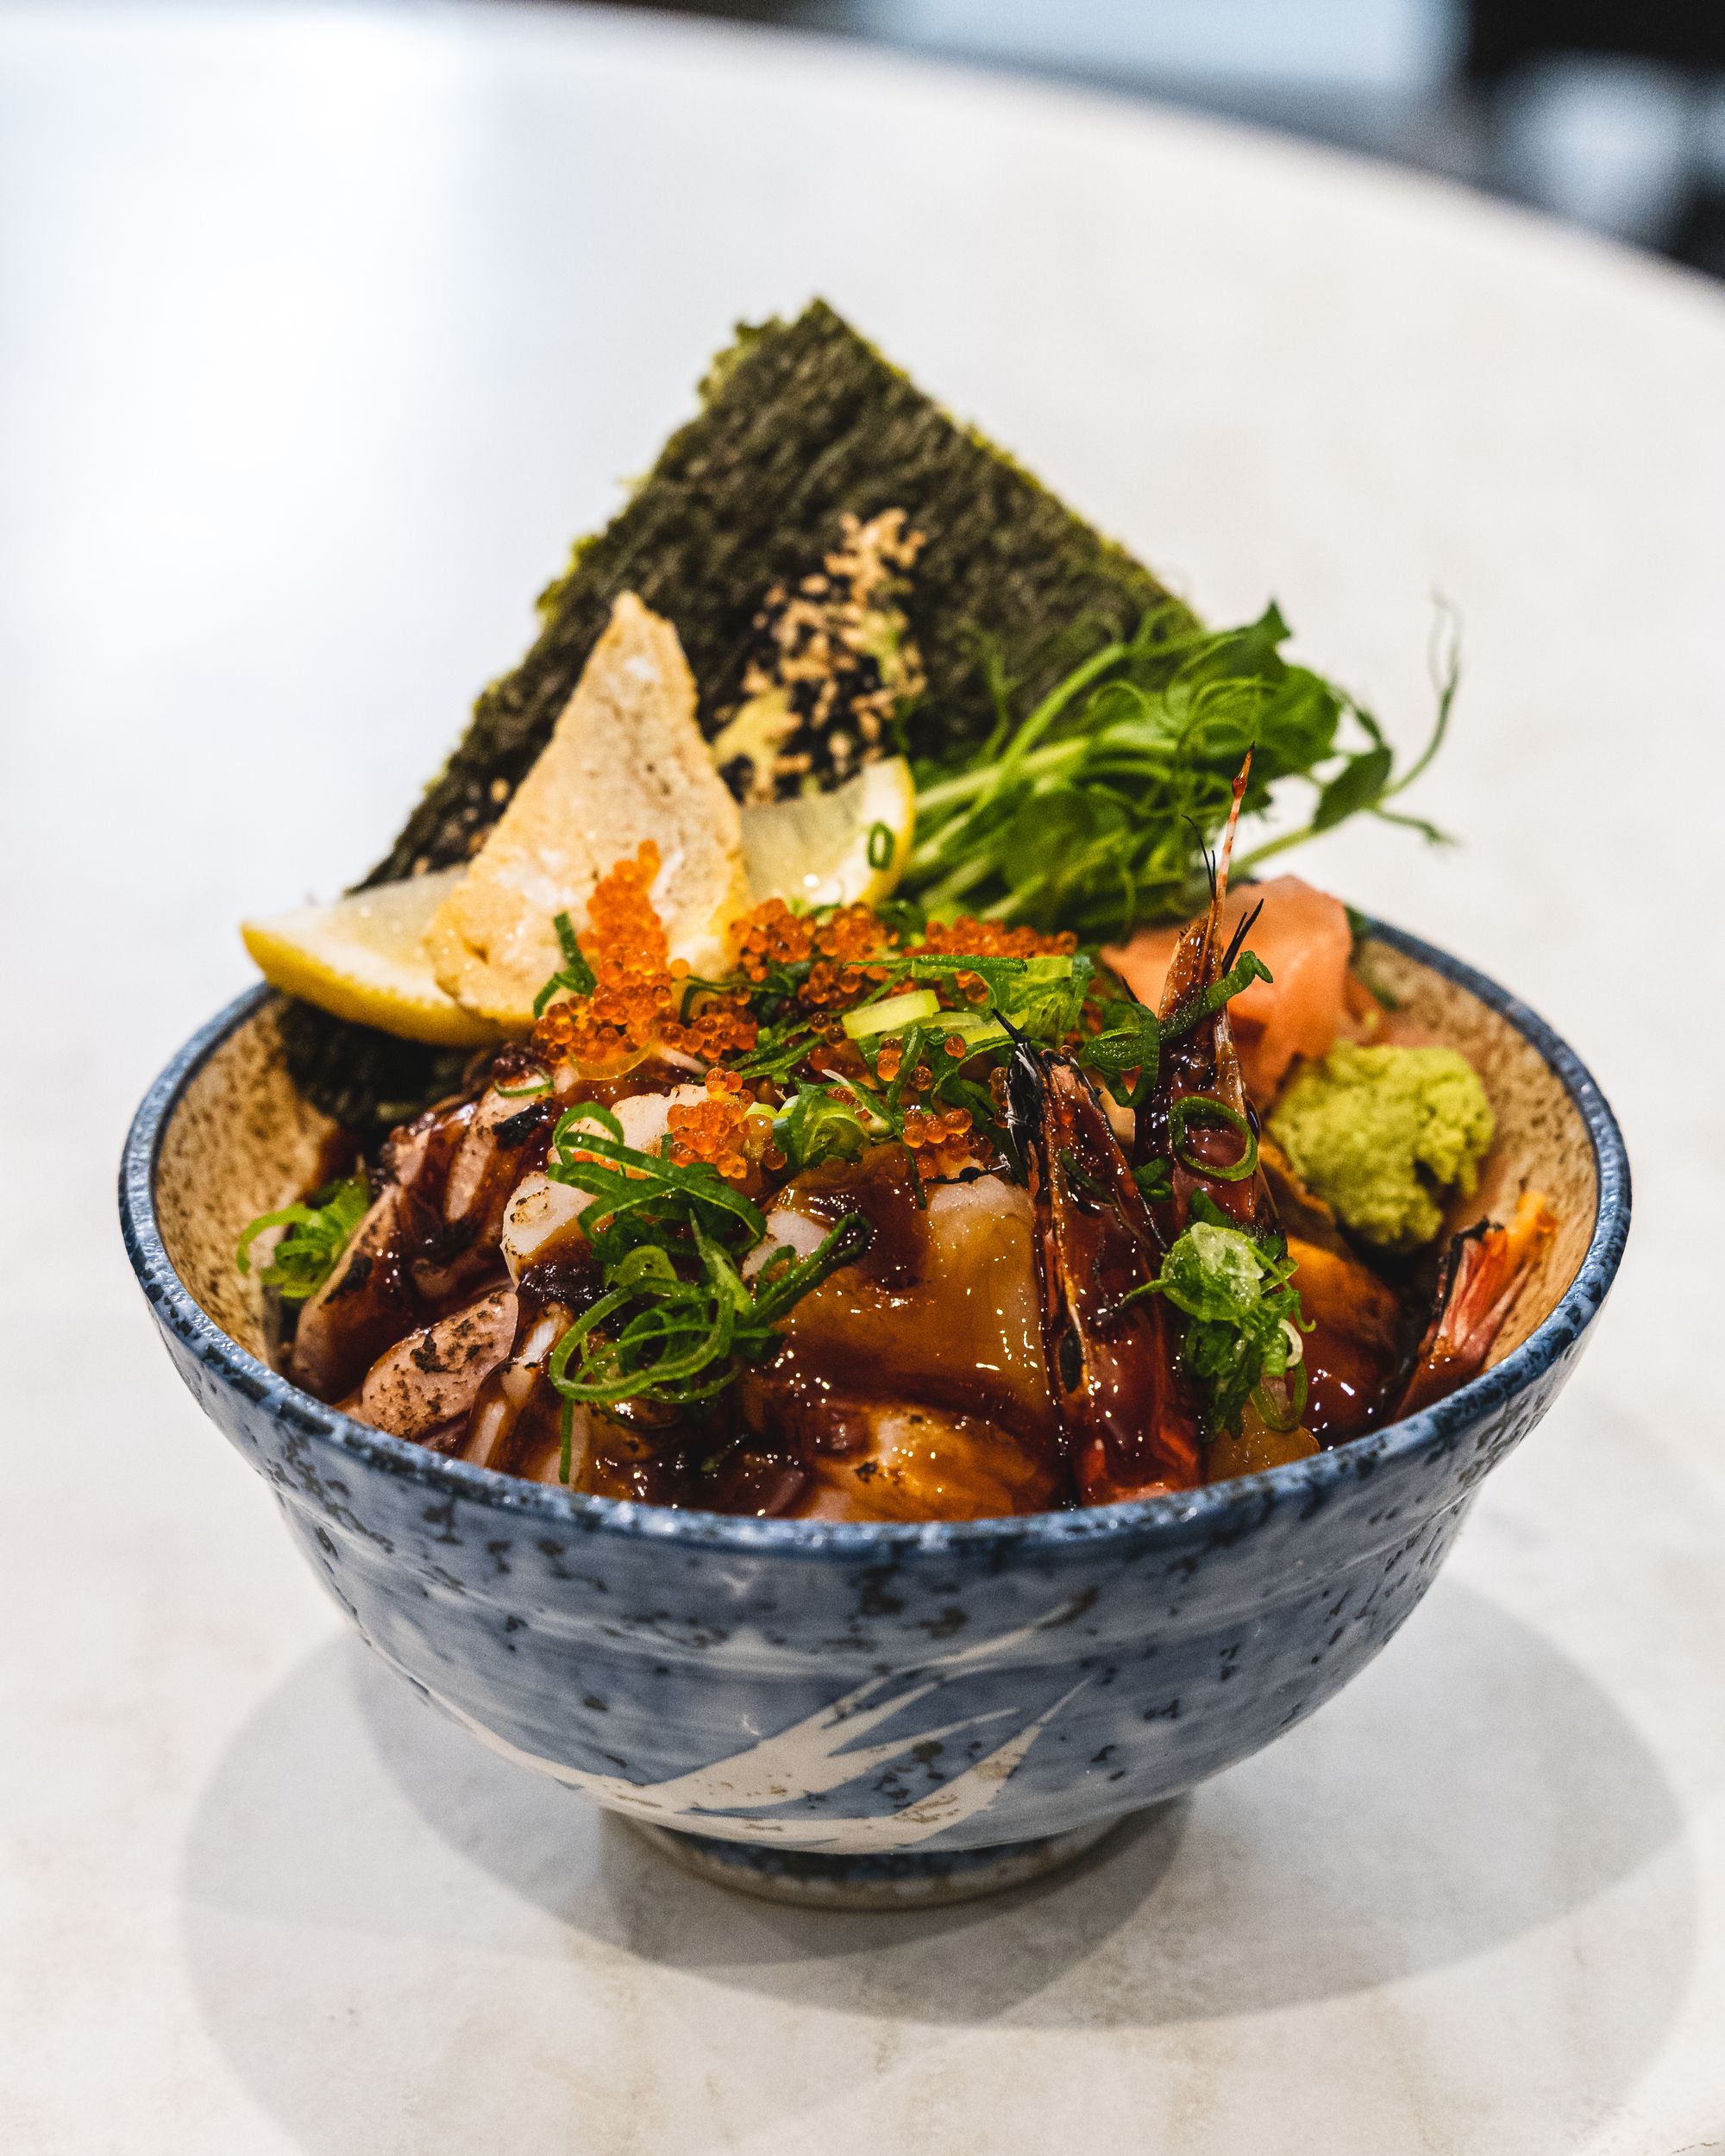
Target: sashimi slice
(1303, 935)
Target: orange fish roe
(711, 1129)
(840, 946)
(847, 941)
(771, 934)
(890, 1061)
(625, 943)
(853, 934)
(829, 984)
(840, 956)
(840, 1058)
(717, 1026)
(991, 939)
(923, 1129)
(943, 1141)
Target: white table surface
(321, 333)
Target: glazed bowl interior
(242, 1140)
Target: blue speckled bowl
(857, 1713)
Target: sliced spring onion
(894, 1015)
(977, 1029)
(1203, 1110)
(1279, 1416)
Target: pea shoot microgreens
(1092, 810)
(317, 1233)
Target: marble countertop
(321, 332)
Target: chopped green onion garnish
(1203, 1110)
(575, 975)
(917, 1006)
(1243, 1321)
(318, 1234)
(1154, 1180)
(974, 1028)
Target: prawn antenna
(1024, 1095)
(1204, 853)
(1238, 937)
(1221, 876)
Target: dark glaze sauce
(917, 1370)
(711, 1466)
(882, 1187)
(871, 1328)
(1358, 1347)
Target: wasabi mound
(1382, 1133)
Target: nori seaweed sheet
(799, 422)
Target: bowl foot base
(909, 1880)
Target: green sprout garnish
(318, 1232)
(1092, 812)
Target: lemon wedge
(364, 958)
(846, 848)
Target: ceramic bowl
(860, 1713)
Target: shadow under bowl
(861, 1715)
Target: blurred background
(1608, 113)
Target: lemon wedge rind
(363, 958)
(846, 847)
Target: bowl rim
(1218, 1509)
